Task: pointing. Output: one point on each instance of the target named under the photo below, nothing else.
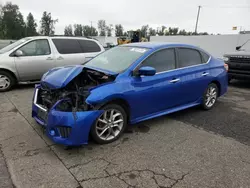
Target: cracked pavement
(191, 148)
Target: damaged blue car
(125, 85)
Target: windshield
(13, 45)
(117, 59)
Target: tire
(7, 81)
(210, 94)
(102, 123)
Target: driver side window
(36, 48)
(162, 60)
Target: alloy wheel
(109, 124)
(4, 82)
(211, 96)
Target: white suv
(28, 59)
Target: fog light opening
(52, 132)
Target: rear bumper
(66, 128)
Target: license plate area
(42, 115)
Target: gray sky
(217, 16)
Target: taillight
(226, 67)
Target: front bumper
(239, 75)
(66, 128)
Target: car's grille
(64, 131)
(240, 59)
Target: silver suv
(28, 59)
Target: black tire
(10, 78)
(108, 107)
(205, 104)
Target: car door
(90, 48)
(161, 91)
(68, 52)
(36, 58)
(195, 74)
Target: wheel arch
(119, 101)
(10, 72)
(217, 83)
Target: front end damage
(59, 103)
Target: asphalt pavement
(191, 148)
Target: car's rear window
(89, 46)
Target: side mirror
(238, 48)
(146, 71)
(18, 53)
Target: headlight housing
(226, 59)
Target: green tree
(125, 33)
(152, 32)
(68, 31)
(102, 27)
(12, 23)
(119, 30)
(173, 30)
(1, 25)
(78, 30)
(204, 33)
(144, 30)
(182, 32)
(89, 31)
(161, 30)
(109, 30)
(47, 24)
(31, 26)
(94, 31)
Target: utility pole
(197, 20)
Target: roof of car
(60, 36)
(155, 45)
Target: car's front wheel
(6, 81)
(110, 125)
(210, 96)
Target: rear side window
(205, 57)
(188, 57)
(67, 46)
(89, 46)
(162, 60)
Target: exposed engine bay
(74, 94)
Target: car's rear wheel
(7, 81)
(110, 125)
(210, 96)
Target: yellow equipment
(133, 36)
(123, 40)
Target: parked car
(125, 85)
(239, 62)
(26, 60)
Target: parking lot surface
(191, 148)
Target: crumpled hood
(60, 76)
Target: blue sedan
(125, 85)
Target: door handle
(175, 80)
(60, 58)
(49, 58)
(205, 73)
